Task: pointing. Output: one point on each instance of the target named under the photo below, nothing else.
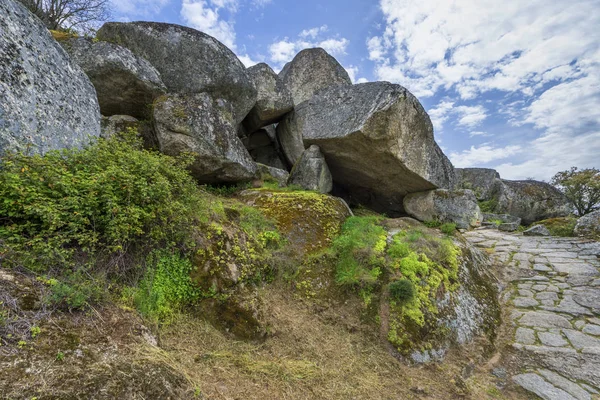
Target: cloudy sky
(509, 84)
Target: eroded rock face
(377, 139)
(459, 207)
(46, 101)
(263, 147)
(588, 225)
(310, 71)
(125, 83)
(205, 126)
(537, 230)
(482, 181)
(273, 101)
(531, 200)
(311, 171)
(188, 60)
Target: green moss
(563, 226)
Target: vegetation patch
(561, 226)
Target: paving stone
(539, 288)
(546, 296)
(580, 340)
(588, 297)
(561, 254)
(524, 285)
(548, 303)
(575, 269)
(592, 330)
(565, 384)
(541, 268)
(594, 320)
(525, 293)
(579, 324)
(589, 388)
(538, 385)
(544, 320)
(569, 306)
(525, 336)
(526, 302)
(552, 339)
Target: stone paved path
(554, 287)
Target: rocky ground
(553, 287)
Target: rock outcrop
(267, 173)
(117, 123)
(125, 83)
(46, 101)
(377, 139)
(482, 181)
(537, 230)
(274, 100)
(310, 71)
(189, 61)
(206, 127)
(459, 207)
(588, 225)
(311, 171)
(530, 200)
(263, 147)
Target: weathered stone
(544, 320)
(459, 207)
(525, 336)
(274, 99)
(537, 230)
(580, 340)
(117, 124)
(591, 330)
(552, 339)
(536, 384)
(264, 148)
(189, 61)
(271, 174)
(125, 83)
(311, 171)
(588, 297)
(588, 225)
(504, 218)
(310, 71)
(377, 139)
(530, 200)
(508, 226)
(204, 126)
(561, 382)
(482, 181)
(525, 302)
(46, 101)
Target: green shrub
(562, 226)
(76, 290)
(166, 285)
(108, 197)
(403, 290)
(448, 228)
(488, 206)
(433, 223)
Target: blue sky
(509, 84)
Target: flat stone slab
(544, 320)
(525, 336)
(538, 385)
(552, 339)
(565, 384)
(525, 302)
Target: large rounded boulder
(310, 71)
(274, 99)
(459, 207)
(311, 172)
(530, 200)
(125, 83)
(377, 139)
(46, 101)
(188, 60)
(589, 225)
(483, 181)
(205, 127)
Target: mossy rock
(308, 220)
(61, 36)
(561, 226)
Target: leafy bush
(76, 290)
(166, 285)
(433, 223)
(107, 197)
(448, 228)
(488, 206)
(402, 290)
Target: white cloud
(475, 46)
(200, 15)
(467, 116)
(138, 8)
(478, 133)
(486, 153)
(284, 50)
(362, 80)
(261, 3)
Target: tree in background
(582, 188)
(69, 14)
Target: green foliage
(60, 356)
(166, 286)
(35, 331)
(448, 228)
(360, 249)
(563, 226)
(581, 187)
(76, 290)
(488, 206)
(433, 223)
(402, 291)
(107, 197)
(226, 190)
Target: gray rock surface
(459, 207)
(189, 61)
(264, 148)
(508, 226)
(311, 171)
(538, 385)
(116, 124)
(537, 230)
(482, 181)
(588, 225)
(377, 139)
(125, 83)
(270, 174)
(530, 200)
(205, 126)
(46, 101)
(274, 100)
(310, 71)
